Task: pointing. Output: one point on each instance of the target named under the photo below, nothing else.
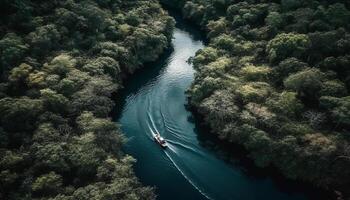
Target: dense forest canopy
(275, 78)
(60, 61)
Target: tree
(4, 138)
(53, 101)
(48, 184)
(67, 18)
(57, 62)
(333, 88)
(19, 114)
(60, 65)
(287, 45)
(274, 19)
(273, 111)
(225, 42)
(205, 56)
(53, 156)
(307, 83)
(326, 44)
(206, 88)
(291, 4)
(220, 107)
(253, 92)
(12, 51)
(338, 15)
(46, 133)
(74, 81)
(37, 79)
(7, 179)
(12, 160)
(255, 73)
(217, 27)
(106, 132)
(194, 11)
(315, 119)
(20, 74)
(103, 65)
(287, 104)
(259, 143)
(85, 155)
(286, 68)
(44, 39)
(94, 97)
(338, 107)
(147, 44)
(96, 18)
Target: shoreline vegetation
(60, 63)
(274, 79)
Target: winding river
(193, 166)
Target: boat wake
(185, 169)
(172, 150)
(187, 178)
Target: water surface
(192, 167)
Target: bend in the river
(154, 101)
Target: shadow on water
(196, 33)
(237, 157)
(150, 71)
(153, 100)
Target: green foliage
(103, 65)
(47, 183)
(307, 82)
(20, 74)
(147, 45)
(46, 133)
(281, 90)
(339, 108)
(333, 88)
(217, 27)
(291, 4)
(253, 91)
(19, 114)
(287, 104)
(60, 63)
(7, 178)
(106, 132)
(205, 56)
(286, 68)
(274, 19)
(194, 11)
(338, 15)
(12, 50)
(11, 160)
(254, 73)
(53, 101)
(44, 39)
(287, 45)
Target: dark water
(193, 166)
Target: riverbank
(194, 162)
(60, 63)
(247, 97)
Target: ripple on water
(186, 169)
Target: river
(194, 166)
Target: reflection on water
(193, 166)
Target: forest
(275, 79)
(60, 63)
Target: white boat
(160, 140)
